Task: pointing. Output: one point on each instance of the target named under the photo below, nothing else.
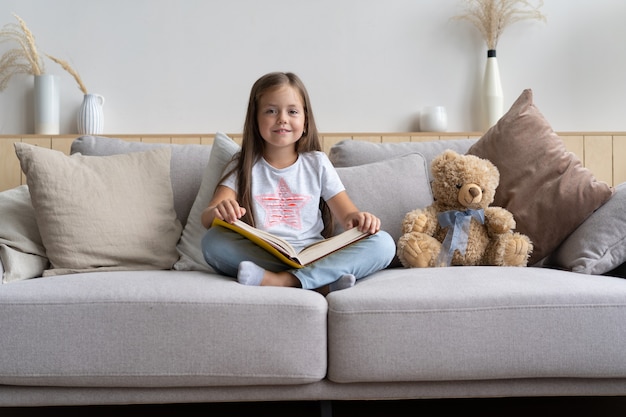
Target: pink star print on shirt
(282, 206)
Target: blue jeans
(224, 250)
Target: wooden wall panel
(604, 153)
(599, 156)
(619, 159)
(575, 144)
(10, 171)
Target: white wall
(186, 66)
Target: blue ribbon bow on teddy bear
(458, 224)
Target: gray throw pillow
(191, 258)
(389, 189)
(599, 244)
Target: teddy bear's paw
(517, 250)
(499, 220)
(419, 223)
(415, 252)
(415, 221)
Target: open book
(285, 252)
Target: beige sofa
(107, 334)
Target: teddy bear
(460, 227)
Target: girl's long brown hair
(253, 144)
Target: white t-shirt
(286, 201)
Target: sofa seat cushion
(159, 329)
(477, 323)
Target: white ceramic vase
(433, 119)
(90, 115)
(46, 100)
(492, 91)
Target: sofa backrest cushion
(349, 153)
(186, 165)
(390, 179)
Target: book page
(284, 251)
(324, 247)
(246, 230)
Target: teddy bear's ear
(449, 154)
(440, 161)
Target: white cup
(433, 119)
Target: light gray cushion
(389, 189)
(349, 153)
(478, 323)
(22, 253)
(159, 329)
(102, 212)
(18, 265)
(191, 258)
(599, 244)
(186, 167)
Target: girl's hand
(343, 208)
(228, 210)
(364, 221)
(223, 205)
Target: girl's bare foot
(280, 279)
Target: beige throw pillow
(102, 212)
(546, 187)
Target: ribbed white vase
(492, 91)
(90, 115)
(46, 101)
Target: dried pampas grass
(491, 17)
(24, 59)
(67, 67)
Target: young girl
(282, 182)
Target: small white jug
(90, 115)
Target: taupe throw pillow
(102, 212)
(546, 187)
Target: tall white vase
(492, 91)
(90, 115)
(46, 105)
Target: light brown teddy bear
(459, 227)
